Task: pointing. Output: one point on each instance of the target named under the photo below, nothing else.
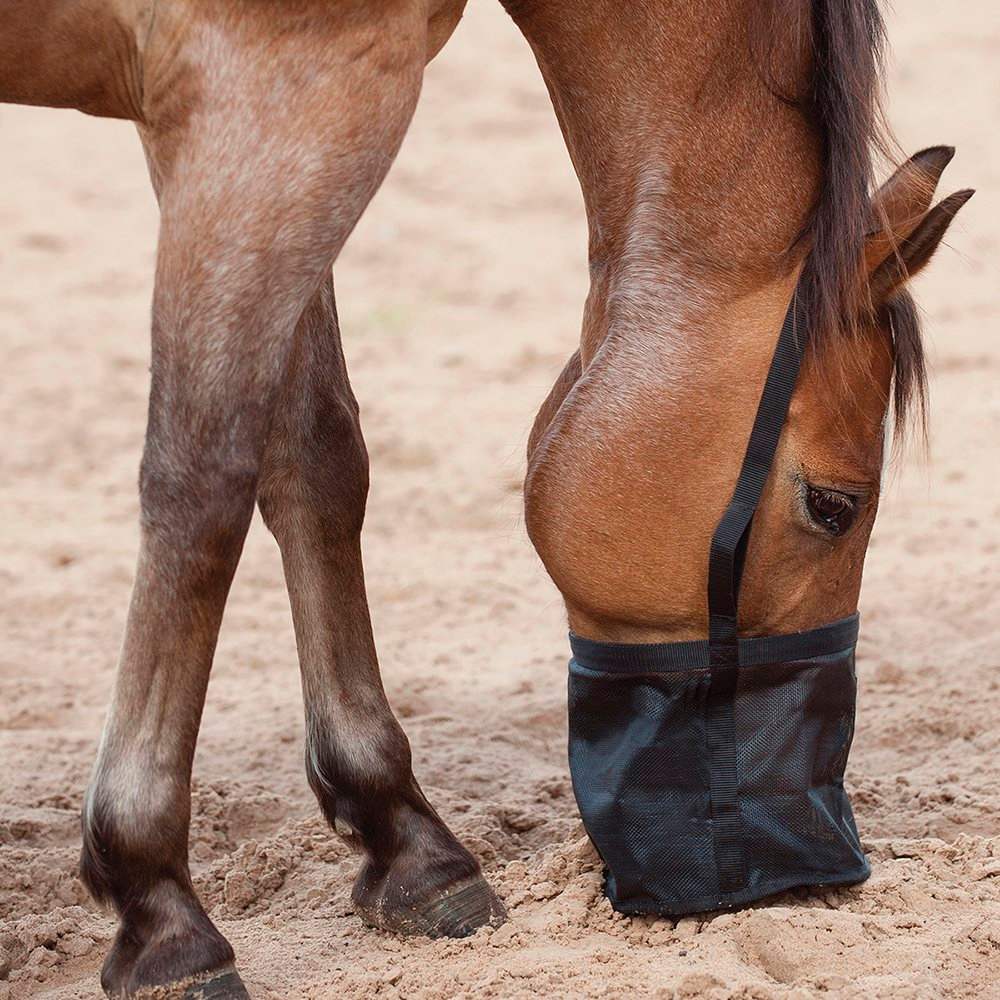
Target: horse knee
(196, 505)
(319, 483)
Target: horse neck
(697, 178)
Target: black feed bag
(711, 773)
(699, 804)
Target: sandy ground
(460, 297)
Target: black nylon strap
(724, 572)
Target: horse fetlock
(358, 807)
(134, 835)
(134, 858)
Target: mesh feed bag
(688, 823)
(709, 774)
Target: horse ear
(900, 204)
(912, 251)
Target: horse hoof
(461, 910)
(456, 911)
(225, 985)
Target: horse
(725, 152)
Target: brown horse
(724, 153)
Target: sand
(460, 297)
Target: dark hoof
(223, 984)
(457, 911)
(462, 910)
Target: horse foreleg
(417, 877)
(262, 171)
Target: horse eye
(831, 510)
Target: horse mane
(909, 371)
(842, 102)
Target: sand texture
(460, 297)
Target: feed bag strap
(724, 573)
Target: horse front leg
(264, 156)
(417, 878)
